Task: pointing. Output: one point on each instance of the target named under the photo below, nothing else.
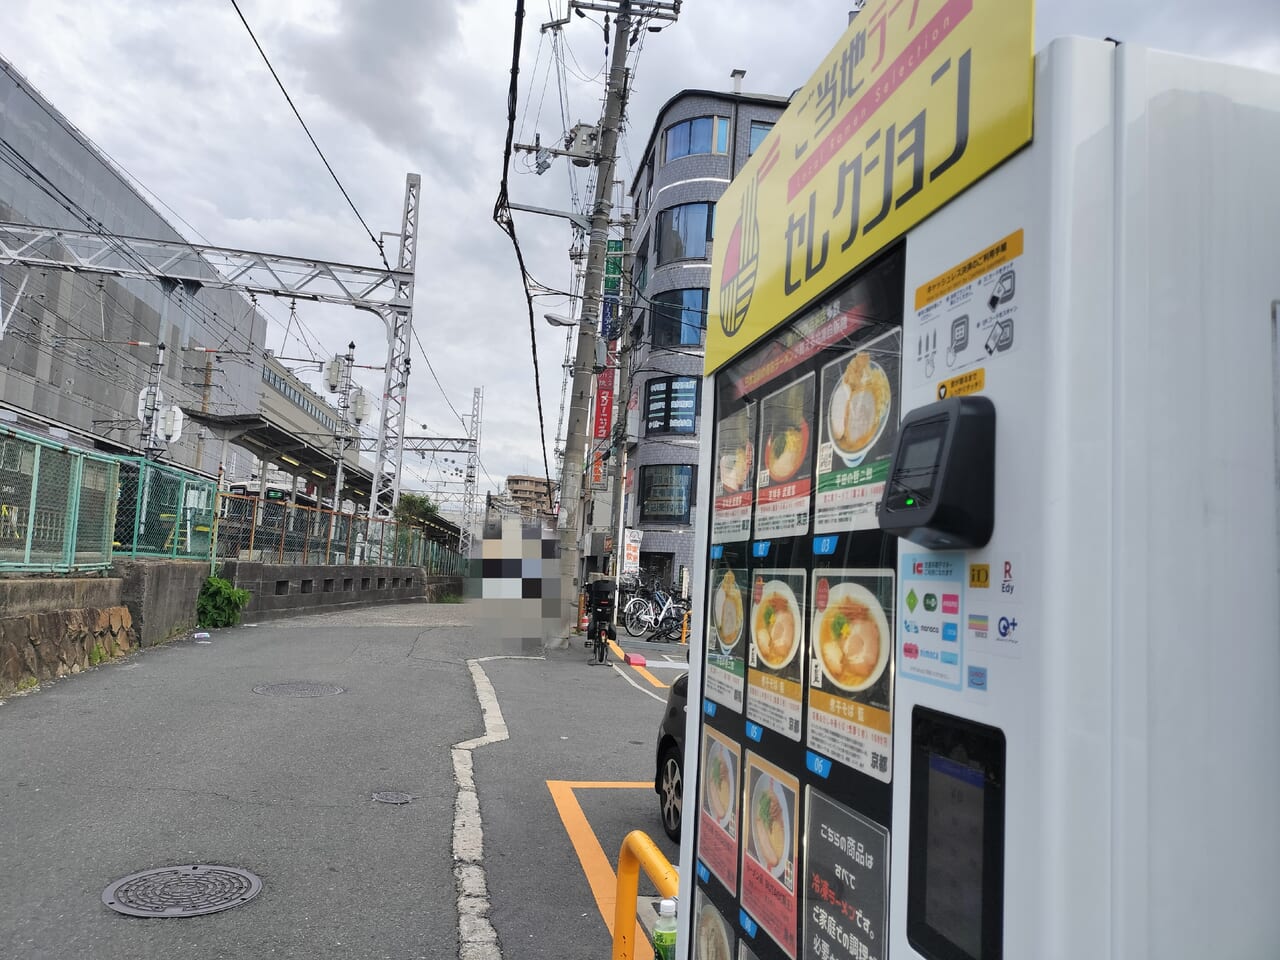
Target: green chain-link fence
(57, 505)
(163, 511)
(65, 509)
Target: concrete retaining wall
(54, 626)
(161, 595)
(22, 595)
(283, 589)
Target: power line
(502, 217)
(320, 152)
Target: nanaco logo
(742, 253)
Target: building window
(684, 232)
(679, 317)
(671, 405)
(699, 135)
(641, 268)
(759, 130)
(666, 493)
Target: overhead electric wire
(124, 175)
(537, 60)
(502, 217)
(307, 130)
(197, 309)
(34, 175)
(200, 311)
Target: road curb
(477, 938)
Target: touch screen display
(916, 473)
(955, 872)
(953, 858)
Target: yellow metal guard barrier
(638, 850)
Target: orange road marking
(621, 654)
(595, 862)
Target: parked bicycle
(600, 631)
(656, 611)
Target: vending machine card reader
(941, 489)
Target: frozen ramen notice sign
(846, 883)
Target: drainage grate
(391, 796)
(184, 891)
(298, 688)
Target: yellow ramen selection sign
(918, 100)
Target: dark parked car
(669, 779)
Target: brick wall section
(281, 590)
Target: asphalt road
(170, 758)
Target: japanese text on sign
(918, 100)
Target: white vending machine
(990, 650)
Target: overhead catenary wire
(30, 172)
(126, 176)
(307, 130)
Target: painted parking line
(595, 862)
(620, 654)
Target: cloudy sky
(177, 95)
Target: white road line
(477, 939)
(627, 677)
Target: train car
(289, 526)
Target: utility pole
(204, 407)
(584, 360)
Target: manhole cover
(298, 688)
(391, 796)
(185, 891)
